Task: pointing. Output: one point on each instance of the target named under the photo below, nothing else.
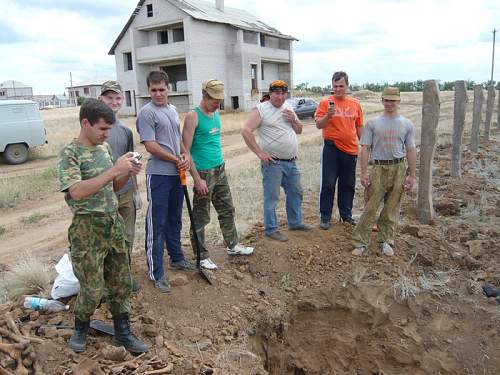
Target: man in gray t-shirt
(159, 129)
(121, 140)
(386, 140)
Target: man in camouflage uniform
(98, 249)
(201, 136)
(121, 140)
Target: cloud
(387, 40)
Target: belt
(388, 162)
(292, 159)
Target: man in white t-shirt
(277, 126)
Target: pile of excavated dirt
(308, 306)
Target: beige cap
(214, 88)
(391, 93)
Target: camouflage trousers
(386, 184)
(219, 194)
(100, 260)
(126, 209)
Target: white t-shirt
(276, 135)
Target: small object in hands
(331, 104)
(137, 157)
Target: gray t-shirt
(121, 141)
(276, 135)
(388, 137)
(162, 125)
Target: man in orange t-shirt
(341, 120)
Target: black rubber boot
(124, 337)
(78, 340)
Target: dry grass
(27, 187)
(357, 274)
(27, 277)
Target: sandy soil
(308, 306)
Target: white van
(21, 128)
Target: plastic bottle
(42, 304)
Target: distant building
(90, 89)
(53, 101)
(193, 40)
(15, 90)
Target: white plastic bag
(66, 284)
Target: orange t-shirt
(341, 128)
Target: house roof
(207, 11)
(94, 82)
(16, 102)
(13, 84)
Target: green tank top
(206, 149)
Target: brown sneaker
(359, 250)
(277, 236)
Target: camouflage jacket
(77, 163)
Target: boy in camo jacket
(98, 249)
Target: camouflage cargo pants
(386, 184)
(219, 194)
(100, 259)
(126, 208)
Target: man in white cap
(386, 141)
(201, 135)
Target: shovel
(201, 271)
(97, 325)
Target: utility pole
(493, 56)
(70, 87)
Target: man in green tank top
(201, 136)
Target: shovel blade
(100, 326)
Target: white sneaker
(386, 249)
(208, 264)
(239, 249)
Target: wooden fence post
(430, 118)
(498, 111)
(458, 127)
(476, 117)
(490, 103)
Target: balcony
(161, 52)
(268, 54)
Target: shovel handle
(182, 175)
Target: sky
(42, 41)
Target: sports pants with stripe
(163, 222)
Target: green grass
(13, 190)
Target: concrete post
(476, 117)
(430, 118)
(490, 102)
(458, 127)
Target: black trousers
(337, 165)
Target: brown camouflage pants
(386, 185)
(100, 259)
(219, 194)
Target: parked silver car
(21, 128)
(303, 107)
